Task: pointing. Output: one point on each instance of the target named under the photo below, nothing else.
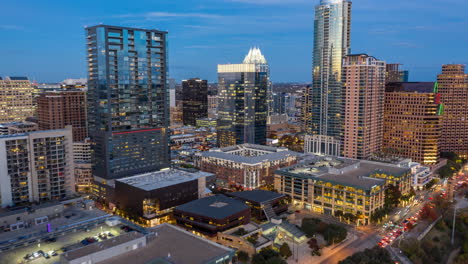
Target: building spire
(255, 56)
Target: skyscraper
(59, 108)
(394, 74)
(243, 107)
(194, 100)
(412, 121)
(331, 43)
(16, 99)
(363, 100)
(128, 100)
(453, 88)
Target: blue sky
(44, 39)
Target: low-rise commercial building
(107, 249)
(165, 244)
(153, 196)
(265, 205)
(329, 184)
(249, 166)
(212, 214)
(247, 238)
(14, 219)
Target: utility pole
(453, 228)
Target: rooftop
(160, 179)
(174, 245)
(106, 244)
(348, 172)
(259, 196)
(416, 87)
(217, 206)
(249, 153)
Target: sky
(45, 39)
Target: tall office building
(194, 100)
(331, 43)
(36, 167)
(394, 74)
(128, 100)
(363, 100)
(243, 106)
(306, 109)
(453, 88)
(412, 121)
(59, 108)
(16, 99)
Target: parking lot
(67, 242)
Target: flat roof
(344, 171)
(160, 179)
(128, 28)
(100, 246)
(217, 206)
(171, 244)
(259, 196)
(416, 87)
(272, 153)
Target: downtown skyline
(219, 31)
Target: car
(85, 242)
(51, 240)
(46, 256)
(52, 253)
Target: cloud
(11, 27)
(405, 44)
(154, 15)
(271, 2)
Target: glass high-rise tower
(331, 43)
(243, 107)
(128, 101)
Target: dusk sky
(45, 39)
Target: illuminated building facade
(83, 166)
(59, 108)
(363, 96)
(453, 89)
(128, 100)
(327, 185)
(249, 166)
(154, 195)
(394, 74)
(242, 106)
(412, 121)
(16, 99)
(36, 167)
(212, 214)
(332, 39)
(194, 101)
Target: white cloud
(152, 15)
(11, 27)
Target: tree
(445, 172)
(310, 225)
(339, 214)
(392, 196)
(243, 256)
(285, 251)
(369, 256)
(267, 256)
